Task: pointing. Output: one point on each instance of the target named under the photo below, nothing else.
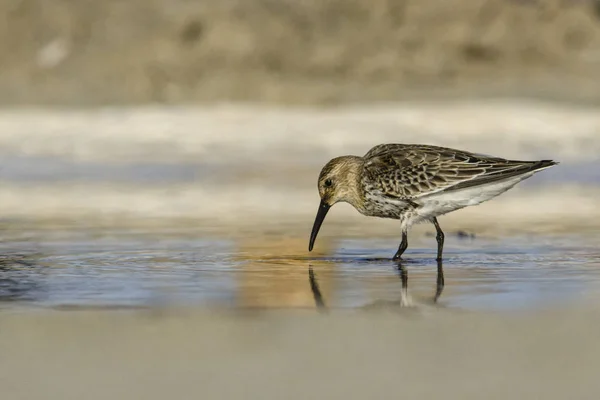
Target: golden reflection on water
(274, 273)
(278, 273)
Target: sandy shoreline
(257, 209)
(418, 354)
(236, 165)
(241, 133)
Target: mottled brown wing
(411, 171)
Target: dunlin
(416, 183)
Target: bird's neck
(353, 192)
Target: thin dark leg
(440, 239)
(440, 281)
(402, 247)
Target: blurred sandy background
(287, 51)
(213, 118)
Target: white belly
(444, 202)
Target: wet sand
(420, 353)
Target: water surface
(143, 269)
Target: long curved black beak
(321, 213)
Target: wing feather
(411, 171)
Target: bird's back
(432, 180)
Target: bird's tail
(543, 164)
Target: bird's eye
(328, 183)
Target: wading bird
(416, 183)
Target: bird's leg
(402, 247)
(440, 281)
(440, 239)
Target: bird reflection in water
(402, 272)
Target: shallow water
(139, 269)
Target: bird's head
(339, 181)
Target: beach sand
(419, 353)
